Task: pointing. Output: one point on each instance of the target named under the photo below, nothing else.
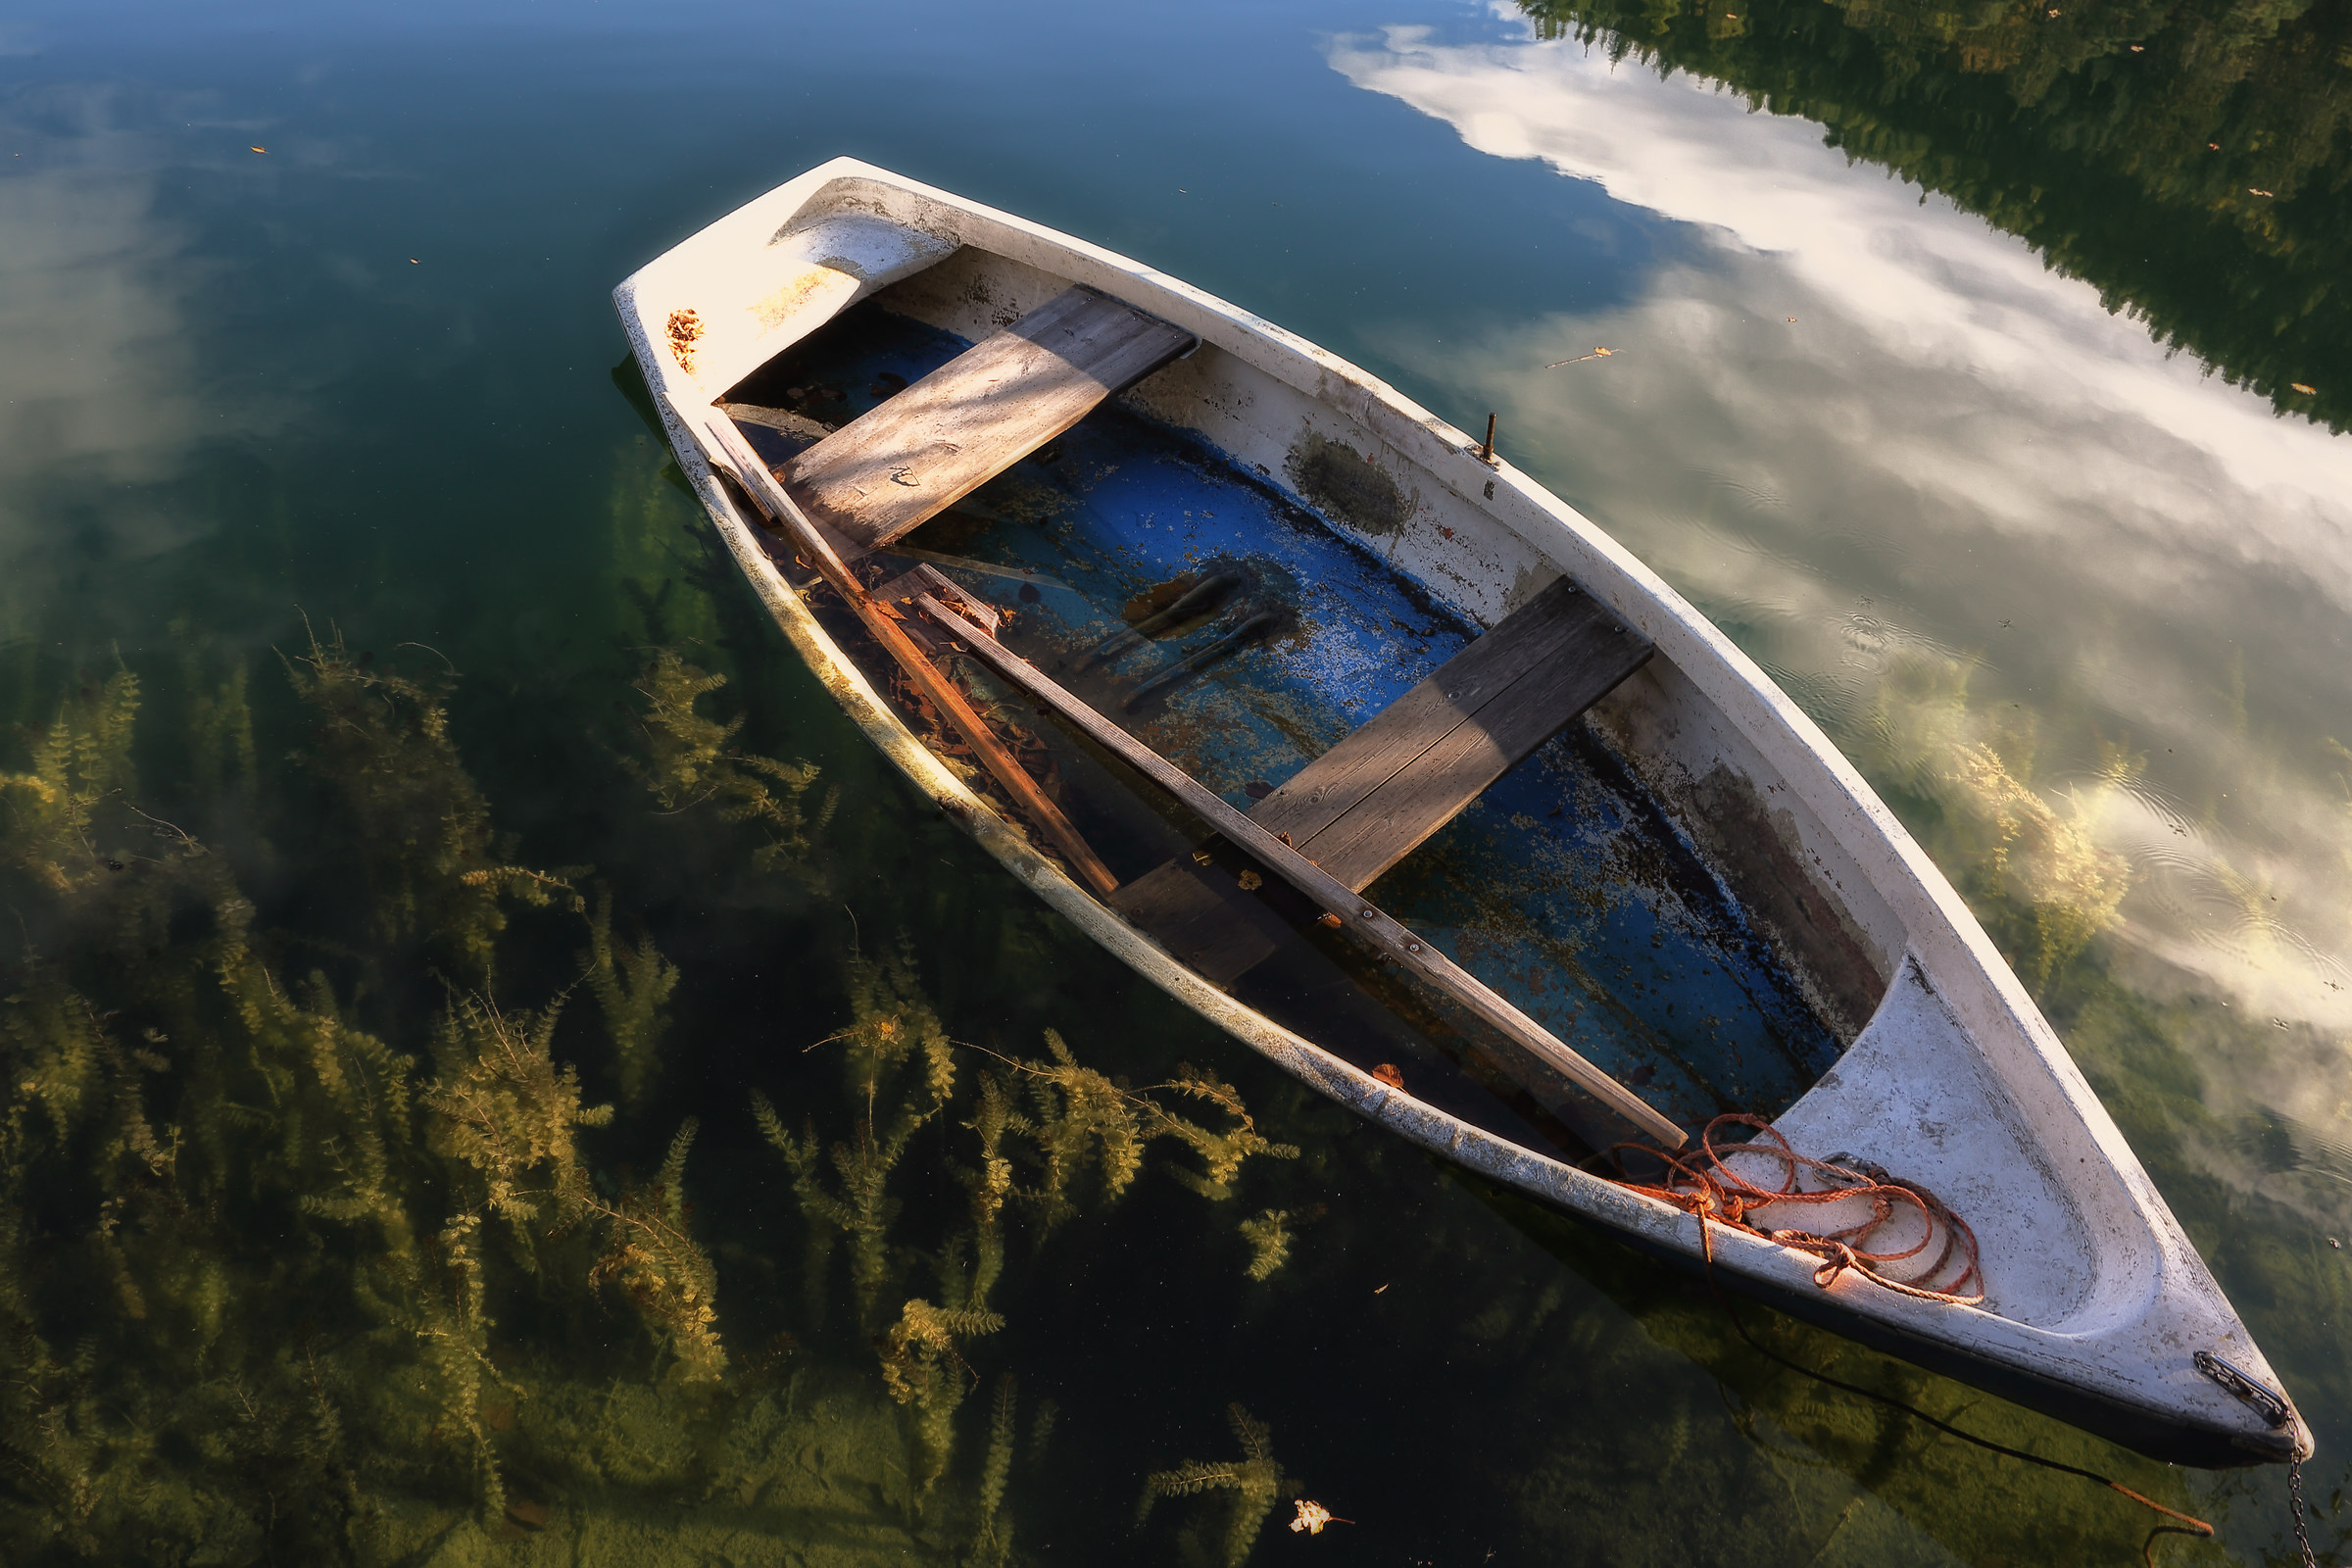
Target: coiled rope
(1699, 1182)
(1702, 1181)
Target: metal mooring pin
(2265, 1402)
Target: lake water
(2026, 483)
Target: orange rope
(1701, 1182)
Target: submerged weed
(339, 1219)
(631, 984)
(1255, 1481)
(688, 763)
(655, 1261)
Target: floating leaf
(1313, 1516)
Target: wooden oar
(736, 458)
(1370, 925)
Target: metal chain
(2294, 1492)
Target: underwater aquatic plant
(223, 775)
(1049, 1139)
(1079, 1108)
(1979, 769)
(689, 764)
(48, 816)
(1041, 1430)
(631, 985)
(861, 1208)
(891, 1022)
(338, 1231)
(1255, 1480)
(1269, 1243)
(1079, 1113)
(993, 1534)
(169, 1098)
(415, 825)
(340, 1258)
(501, 1106)
(1221, 1152)
(1077, 1123)
(50, 1036)
(921, 1368)
(991, 1183)
(455, 1329)
(670, 1279)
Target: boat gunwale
(2157, 1268)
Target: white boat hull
(1951, 1077)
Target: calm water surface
(2002, 431)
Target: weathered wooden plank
(967, 421)
(1201, 916)
(736, 458)
(1368, 924)
(1317, 795)
(1388, 822)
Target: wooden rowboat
(1208, 636)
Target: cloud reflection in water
(1953, 469)
(98, 376)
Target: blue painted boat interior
(1564, 887)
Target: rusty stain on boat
(685, 329)
(797, 293)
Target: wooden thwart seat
(919, 453)
(1365, 803)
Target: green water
(315, 1248)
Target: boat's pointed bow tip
(2302, 1444)
(2284, 1446)
(845, 165)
